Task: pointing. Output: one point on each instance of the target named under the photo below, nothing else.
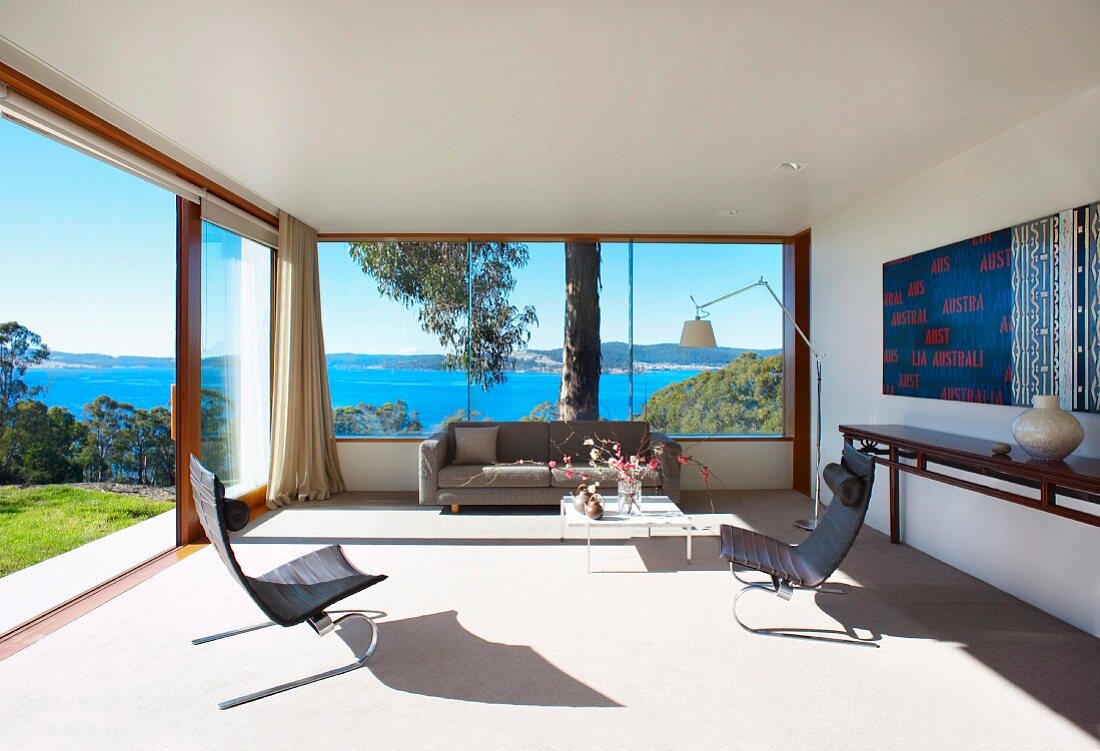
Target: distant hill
(646, 357)
(92, 360)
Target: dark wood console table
(1076, 477)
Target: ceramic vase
(1047, 431)
(594, 507)
(580, 499)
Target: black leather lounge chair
(295, 592)
(809, 564)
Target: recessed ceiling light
(790, 167)
(729, 212)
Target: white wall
(384, 465)
(1047, 164)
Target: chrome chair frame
(785, 591)
(322, 624)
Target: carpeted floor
(495, 637)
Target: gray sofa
(522, 474)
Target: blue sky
(87, 252)
(665, 276)
(87, 260)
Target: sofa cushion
(476, 445)
(567, 438)
(651, 478)
(516, 441)
(495, 476)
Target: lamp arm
(790, 318)
(762, 283)
(736, 292)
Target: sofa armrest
(433, 457)
(670, 463)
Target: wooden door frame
(188, 404)
(797, 386)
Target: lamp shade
(697, 333)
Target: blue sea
(435, 394)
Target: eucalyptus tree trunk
(580, 366)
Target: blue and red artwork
(999, 318)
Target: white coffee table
(657, 511)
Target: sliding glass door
(236, 358)
(87, 332)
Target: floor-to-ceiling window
(616, 381)
(395, 317)
(518, 304)
(87, 341)
(735, 388)
(420, 334)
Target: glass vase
(630, 495)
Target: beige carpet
(494, 637)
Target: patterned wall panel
(999, 318)
(1036, 281)
(1084, 240)
(947, 322)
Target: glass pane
(519, 309)
(615, 401)
(87, 345)
(395, 321)
(236, 358)
(735, 388)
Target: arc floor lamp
(699, 333)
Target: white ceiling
(561, 116)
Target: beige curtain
(304, 464)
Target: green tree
(746, 396)
(392, 418)
(20, 348)
(441, 279)
(38, 445)
(146, 450)
(104, 454)
(543, 412)
(215, 413)
(161, 452)
(459, 415)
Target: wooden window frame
(187, 395)
(795, 294)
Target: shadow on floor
(899, 592)
(1045, 658)
(433, 655)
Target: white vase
(1046, 431)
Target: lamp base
(807, 524)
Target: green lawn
(42, 521)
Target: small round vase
(1046, 431)
(580, 500)
(594, 507)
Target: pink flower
(654, 464)
(683, 459)
(706, 474)
(552, 463)
(568, 474)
